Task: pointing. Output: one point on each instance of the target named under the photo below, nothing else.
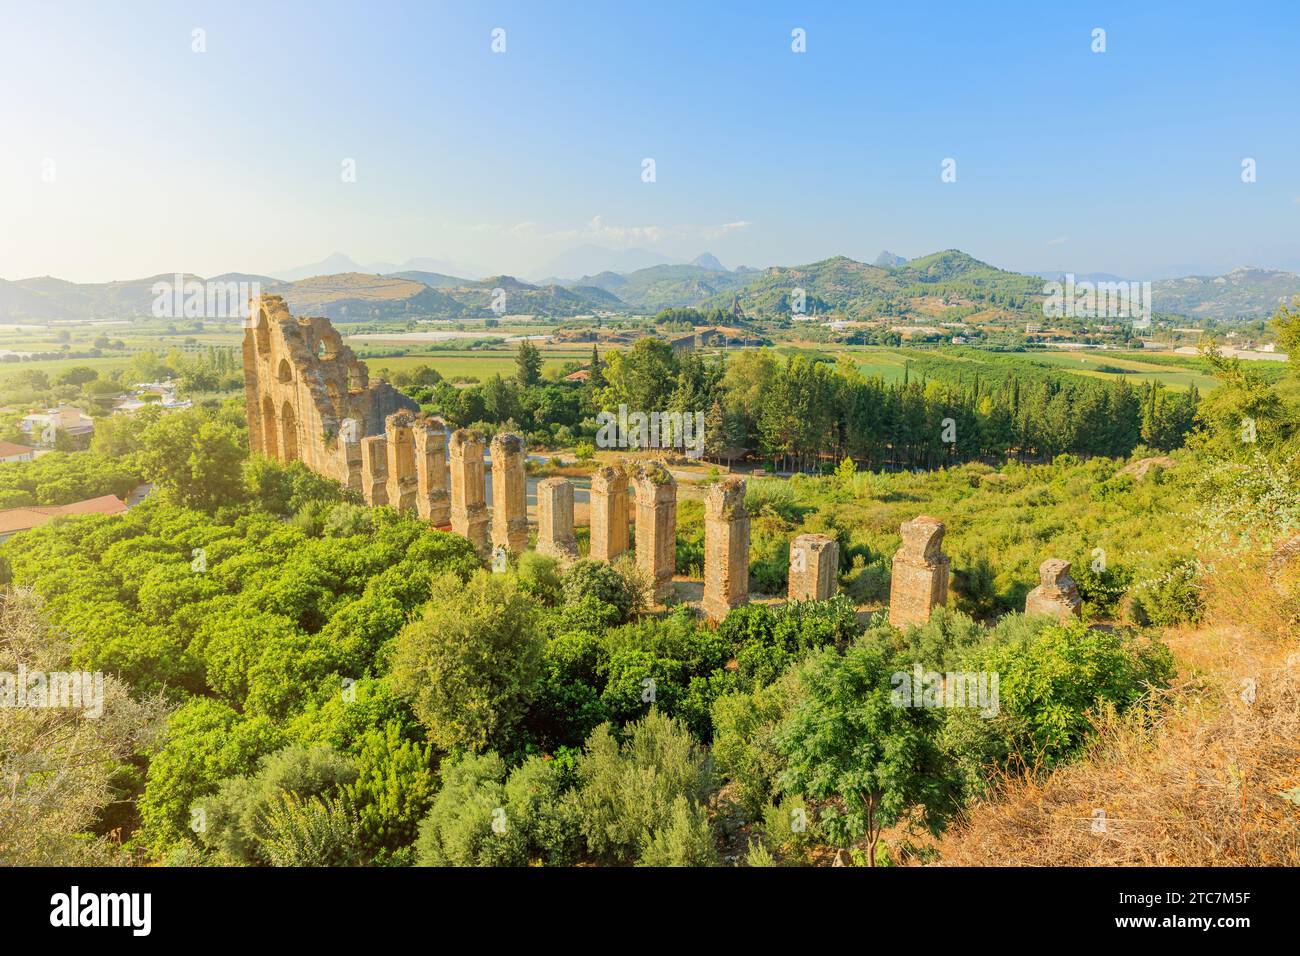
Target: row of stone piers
(414, 467)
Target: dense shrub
(470, 663)
(628, 794)
(236, 815)
(1171, 596)
(595, 579)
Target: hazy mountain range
(945, 284)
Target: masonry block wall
(814, 567)
(374, 470)
(400, 445)
(609, 514)
(920, 573)
(656, 525)
(1056, 594)
(509, 493)
(555, 519)
(726, 548)
(432, 494)
(469, 515)
(301, 384)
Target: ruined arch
(288, 433)
(262, 331)
(270, 440)
(301, 381)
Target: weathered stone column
(509, 493)
(432, 500)
(401, 460)
(814, 567)
(374, 470)
(656, 525)
(1056, 593)
(609, 520)
(726, 548)
(920, 572)
(469, 516)
(349, 446)
(555, 519)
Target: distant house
(581, 375)
(161, 394)
(65, 418)
(12, 452)
(22, 519)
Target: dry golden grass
(1214, 780)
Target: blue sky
(165, 159)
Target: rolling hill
(668, 286)
(353, 296)
(1242, 294)
(944, 283)
(523, 298)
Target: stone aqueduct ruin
(310, 399)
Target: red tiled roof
(9, 449)
(32, 516)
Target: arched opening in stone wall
(288, 433)
(270, 441)
(285, 371)
(263, 331)
(333, 343)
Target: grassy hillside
(667, 286)
(948, 283)
(1246, 294)
(354, 296)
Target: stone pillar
(401, 461)
(1056, 593)
(374, 470)
(509, 494)
(432, 500)
(555, 519)
(920, 573)
(609, 522)
(726, 548)
(350, 454)
(814, 567)
(656, 525)
(469, 516)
